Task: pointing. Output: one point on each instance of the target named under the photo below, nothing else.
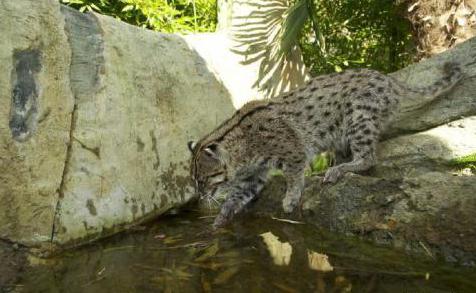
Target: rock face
(36, 98)
(95, 118)
(415, 198)
(459, 102)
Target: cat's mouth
(213, 198)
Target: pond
(254, 254)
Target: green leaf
(127, 8)
(93, 6)
(260, 38)
(293, 25)
(320, 163)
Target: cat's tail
(414, 97)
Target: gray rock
(96, 116)
(459, 102)
(35, 58)
(414, 198)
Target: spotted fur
(342, 112)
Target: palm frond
(293, 25)
(267, 32)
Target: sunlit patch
(280, 251)
(319, 262)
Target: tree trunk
(441, 24)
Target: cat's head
(207, 168)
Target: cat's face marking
(206, 169)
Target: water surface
(181, 254)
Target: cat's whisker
(209, 202)
(216, 201)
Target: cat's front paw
(332, 175)
(224, 217)
(289, 204)
(219, 222)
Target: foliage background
(365, 33)
(338, 34)
(182, 16)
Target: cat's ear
(191, 145)
(212, 150)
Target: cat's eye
(216, 178)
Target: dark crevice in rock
(91, 208)
(155, 149)
(96, 150)
(87, 63)
(87, 59)
(69, 152)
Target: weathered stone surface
(215, 49)
(35, 117)
(96, 118)
(131, 124)
(13, 260)
(413, 199)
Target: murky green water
(178, 254)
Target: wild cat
(342, 112)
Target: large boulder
(417, 197)
(95, 118)
(35, 117)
